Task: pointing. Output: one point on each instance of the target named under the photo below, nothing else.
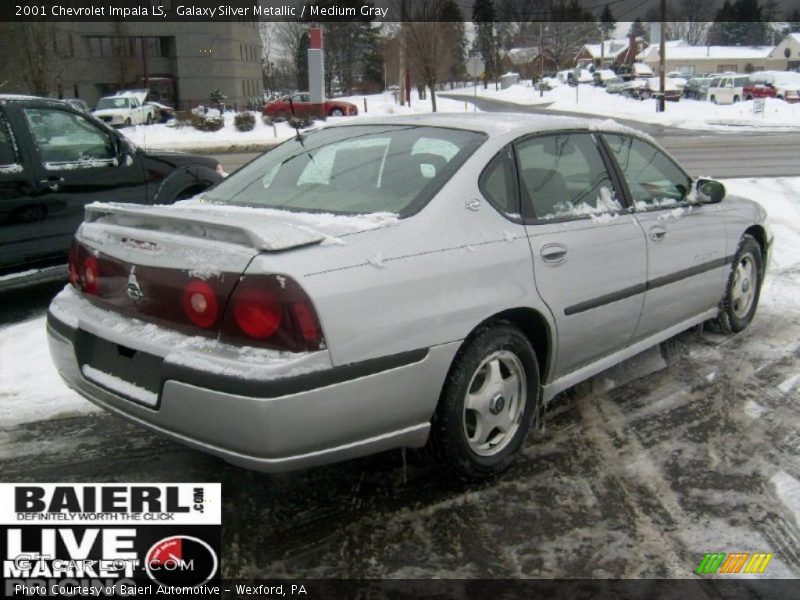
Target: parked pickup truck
(124, 109)
(55, 159)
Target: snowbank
(687, 114)
(187, 138)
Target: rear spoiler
(260, 233)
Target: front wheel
(149, 120)
(489, 402)
(128, 122)
(740, 301)
(713, 99)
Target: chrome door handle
(52, 183)
(657, 233)
(553, 253)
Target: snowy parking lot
(689, 448)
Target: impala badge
(473, 204)
(134, 290)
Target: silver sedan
(399, 282)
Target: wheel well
(535, 328)
(761, 236)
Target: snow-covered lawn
(188, 138)
(31, 390)
(687, 114)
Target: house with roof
(712, 59)
(610, 53)
(528, 62)
(788, 50)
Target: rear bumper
(283, 424)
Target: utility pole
(541, 59)
(662, 58)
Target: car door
(20, 209)
(686, 261)
(76, 162)
(588, 251)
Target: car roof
(495, 124)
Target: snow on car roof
(494, 124)
(21, 97)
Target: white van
(727, 89)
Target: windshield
(104, 103)
(352, 170)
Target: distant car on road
(55, 159)
(124, 109)
(727, 89)
(299, 104)
(397, 282)
(783, 85)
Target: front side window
(352, 170)
(653, 179)
(563, 176)
(66, 140)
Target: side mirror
(125, 151)
(708, 191)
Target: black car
(55, 159)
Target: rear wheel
(713, 99)
(739, 304)
(149, 120)
(735, 99)
(488, 404)
(128, 122)
(336, 112)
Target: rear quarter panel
(426, 280)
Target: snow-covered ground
(31, 390)
(187, 138)
(687, 114)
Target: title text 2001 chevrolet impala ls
(399, 281)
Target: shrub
(205, 123)
(244, 121)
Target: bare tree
(690, 20)
(570, 28)
(37, 57)
(433, 46)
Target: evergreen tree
(301, 61)
(483, 16)
(607, 22)
(639, 29)
(740, 23)
(793, 21)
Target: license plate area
(124, 371)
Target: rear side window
(653, 179)
(740, 81)
(715, 82)
(563, 176)
(498, 183)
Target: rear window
(352, 170)
(106, 103)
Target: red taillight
(307, 321)
(273, 311)
(200, 303)
(90, 275)
(257, 312)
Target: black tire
(449, 427)
(748, 98)
(149, 120)
(713, 99)
(336, 112)
(128, 122)
(736, 99)
(731, 319)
